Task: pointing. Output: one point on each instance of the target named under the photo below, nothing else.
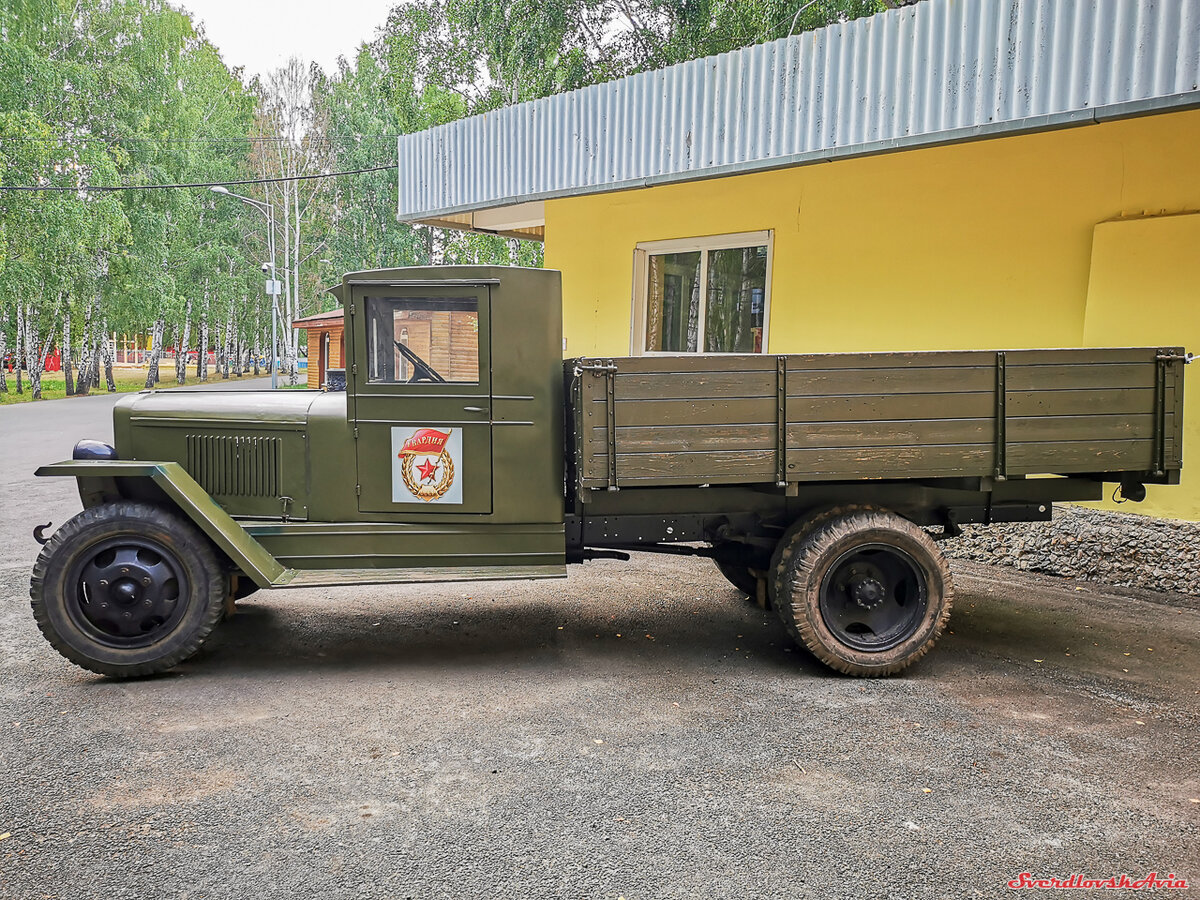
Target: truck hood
(247, 449)
(152, 424)
(229, 408)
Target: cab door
(421, 397)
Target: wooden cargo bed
(687, 420)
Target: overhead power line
(96, 139)
(97, 188)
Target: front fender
(98, 484)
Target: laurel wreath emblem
(428, 492)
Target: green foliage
(439, 60)
(109, 92)
(131, 92)
(665, 32)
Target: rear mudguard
(97, 484)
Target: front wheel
(866, 591)
(127, 589)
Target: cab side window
(414, 340)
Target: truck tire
(127, 589)
(865, 590)
(739, 576)
(746, 579)
(792, 539)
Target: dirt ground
(636, 731)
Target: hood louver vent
(235, 465)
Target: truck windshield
(416, 339)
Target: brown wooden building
(326, 344)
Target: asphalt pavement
(636, 731)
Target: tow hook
(37, 533)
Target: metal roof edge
(1010, 128)
(942, 70)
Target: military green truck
(465, 448)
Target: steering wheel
(422, 371)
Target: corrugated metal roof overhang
(938, 72)
(521, 220)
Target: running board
(303, 578)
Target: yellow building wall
(977, 245)
(1144, 289)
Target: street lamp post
(272, 285)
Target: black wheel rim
(127, 592)
(874, 597)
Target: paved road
(637, 731)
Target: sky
(261, 34)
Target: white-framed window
(702, 295)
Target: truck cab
(454, 374)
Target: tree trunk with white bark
(19, 351)
(68, 380)
(3, 353)
(106, 350)
(181, 351)
(35, 360)
(156, 340)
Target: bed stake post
(1001, 415)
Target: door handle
(474, 409)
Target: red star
(427, 469)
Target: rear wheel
(793, 539)
(746, 579)
(866, 591)
(739, 576)
(127, 589)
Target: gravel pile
(1114, 548)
